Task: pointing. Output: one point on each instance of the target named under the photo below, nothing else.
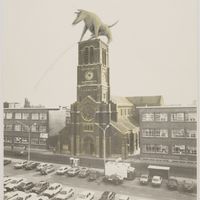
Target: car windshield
(14, 181)
(144, 176)
(82, 196)
(51, 188)
(156, 179)
(63, 192)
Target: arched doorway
(88, 146)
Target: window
(42, 141)
(155, 148)
(43, 116)
(35, 116)
(24, 140)
(178, 149)
(121, 110)
(155, 133)
(191, 117)
(91, 55)
(42, 129)
(25, 115)
(147, 132)
(17, 127)
(18, 115)
(161, 132)
(177, 117)
(178, 133)
(34, 141)
(148, 117)
(191, 150)
(104, 56)
(161, 117)
(8, 115)
(7, 139)
(8, 127)
(86, 53)
(191, 133)
(17, 139)
(88, 127)
(34, 128)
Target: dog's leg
(96, 31)
(83, 33)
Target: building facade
(41, 123)
(168, 132)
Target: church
(101, 125)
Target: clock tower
(90, 114)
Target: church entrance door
(88, 146)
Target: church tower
(90, 114)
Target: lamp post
(104, 142)
(29, 137)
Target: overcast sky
(154, 49)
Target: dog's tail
(113, 24)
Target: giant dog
(94, 24)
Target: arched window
(86, 53)
(91, 55)
(104, 56)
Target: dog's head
(81, 14)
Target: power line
(52, 65)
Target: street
(131, 188)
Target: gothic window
(91, 55)
(104, 56)
(86, 54)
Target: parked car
(10, 195)
(114, 179)
(144, 179)
(94, 175)
(122, 197)
(25, 196)
(41, 166)
(14, 183)
(31, 165)
(40, 187)
(7, 180)
(47, 170)
(73, 171)
(52, 190)
(172, 183)
(85, 195)
(156, 181)
(62, 170)
(7, 161)
(20, 165)
(84, 172)
(42, 198)
(108, 195)
(188, 185)
(25, 186)
(65, 194)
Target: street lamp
(104, 142)
(29, 137)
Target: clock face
(88, 112)
(89, 75)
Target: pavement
(131, 188)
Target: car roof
(55, 184)
(86, 192)
(122, 196)
(67, 188)
(156, 177)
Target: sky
(153, 52)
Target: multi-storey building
(38, 121)
(168, 132)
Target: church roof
(121, 101)
(146, 100)
(124, 126)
